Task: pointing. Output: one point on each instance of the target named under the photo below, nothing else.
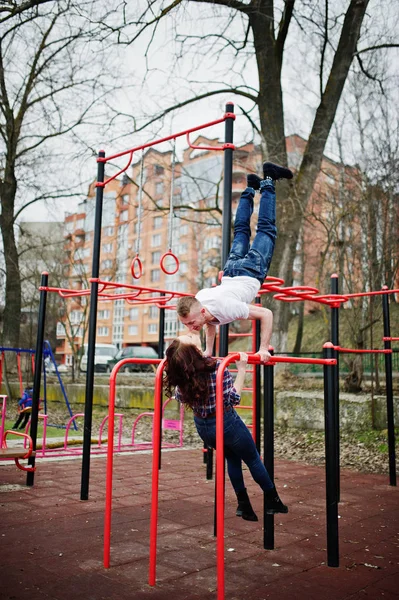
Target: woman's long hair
(188, 369)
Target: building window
(159, 188)
(183, 267)
(133, 329)
(103, 314)
(158, 170)
(133, 314)
(75, 317)
(157, 222)
(183, 230)
(102, 331)
(156, 240)
(155, 275)
(152, 328)
(60, 330)
(107, 248)
(125, 199)
(155, 257)
(153, 314)
(108, 230)
(106, 264)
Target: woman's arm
(241, 368)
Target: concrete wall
(302, 410)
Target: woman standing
(192, 378)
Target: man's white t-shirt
(229, 300)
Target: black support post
(389, 392)
(38, 373)
(226, 225)
(335, 341)
(84, 490)
(330, 460)
(268, 447)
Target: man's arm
(266, 327)
(210, 334)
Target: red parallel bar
(156, 448)
(252, 359)
(354, 351)
(376, 293)
(390, 339)
(166, 139)
(110, 449)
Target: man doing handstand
(245, 269)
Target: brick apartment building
(196, 235)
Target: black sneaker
(276, 172)
(253, 181)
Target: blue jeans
(253, 261)
(238, 446)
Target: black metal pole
(38, 373)
(330, 460)
(389, 392)
(256, 391)
(95, 269)
(161, 349)
(268, 447)
(335, 341)
(226, 225)
(161, 332)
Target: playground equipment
(17, 453)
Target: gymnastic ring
(169, 253)
(136, 262)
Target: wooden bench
(18, 453)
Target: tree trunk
(12, 309)
(290, 210)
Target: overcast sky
(147, 91)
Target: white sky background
(162, 85)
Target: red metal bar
(166, 139)
(390, 339)
(225, 146)
(155, 473)
(110, 450)
(354, 351)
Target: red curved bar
(104, 183)
(110, 450)
(177, 264)
(166, 139)
(136, 262)
(225, 146)
(155, 472)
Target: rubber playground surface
(52, 542)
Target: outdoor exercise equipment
(331, 500)
(169, 254)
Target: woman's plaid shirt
(230, 395)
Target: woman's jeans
(238, 446)
(253, 261)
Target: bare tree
(50, 85)
(258, 31)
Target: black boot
(273, 502)
(244, 508)
(276, 172)
(253, 181)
